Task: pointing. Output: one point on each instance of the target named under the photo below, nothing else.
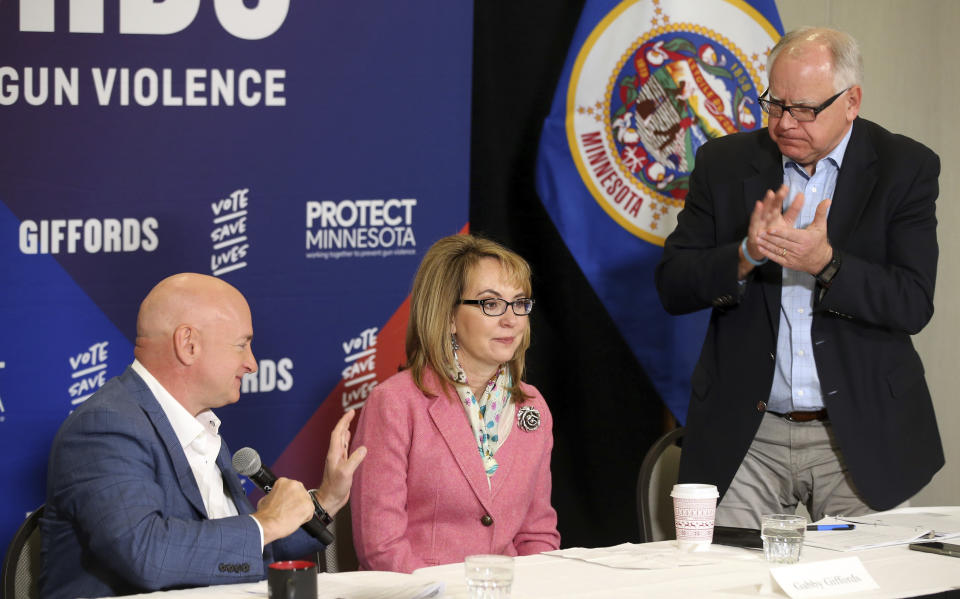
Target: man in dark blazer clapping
(814, 242)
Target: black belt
(820, 414)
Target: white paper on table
(658, 556)
(942, 525)
(340, 585)
(377, 585)
(244, 590)
(865, 536)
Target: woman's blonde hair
(437, 287)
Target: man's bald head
(181, 298)
(193, 335)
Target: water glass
(782, 536)
(489, 576)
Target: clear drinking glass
(782, 536)
(489, 576)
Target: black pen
(830, 527)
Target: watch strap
(318, 509)
(826, 275)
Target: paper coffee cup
(694, 509)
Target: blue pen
(830, 527)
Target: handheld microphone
(247, 462)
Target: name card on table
(824, 579)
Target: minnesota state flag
(645, 84)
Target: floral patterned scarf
(484, 414)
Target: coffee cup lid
(695, 491)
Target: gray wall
(912, 86)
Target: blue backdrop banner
(308, 153)
(645, 84)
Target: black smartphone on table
(937, 547)
(737, 537)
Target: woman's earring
(453, 342)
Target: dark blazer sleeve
(699, 265)
(697, 268)
(884, 220)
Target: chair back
(340, 556)
(21, 566)
(658, 474)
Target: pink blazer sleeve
(379, 494)
(539, 530)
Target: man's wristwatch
(825, 276)
(318, 509)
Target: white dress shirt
(200, 439)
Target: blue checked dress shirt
(796, 386)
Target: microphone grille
(246, 461)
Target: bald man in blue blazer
(141, 494)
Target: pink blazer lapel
(451, 421)
(505, 456)
(509, 452)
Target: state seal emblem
(653, 82)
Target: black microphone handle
(265, 479)
(317, 530)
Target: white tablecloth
(736, 573)
(899, 572)
(733, 574)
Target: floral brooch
(528, 418)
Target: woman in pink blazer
(458, 458)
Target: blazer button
(761, 407)
(486, 520)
